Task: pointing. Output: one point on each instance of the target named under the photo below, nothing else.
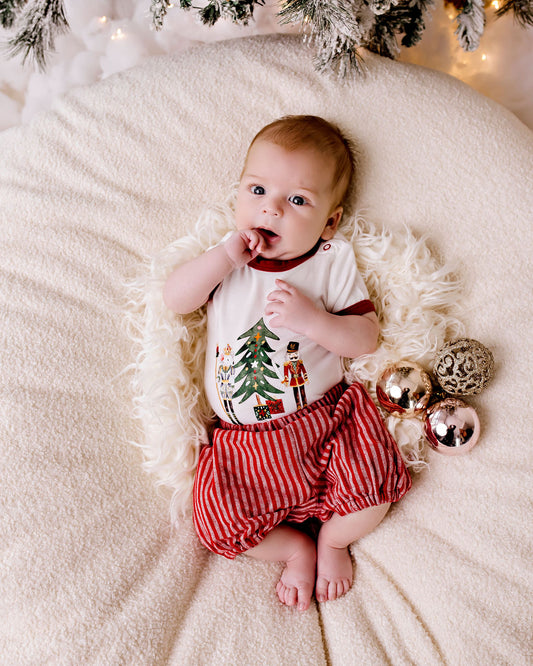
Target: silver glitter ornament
(452, 427)
(463, 367)
(404, 389)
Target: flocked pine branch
(406, 19)
(238, 11)
(471, 24)
(522, 10)
(379, 7)
(37, 26)
(9, 11)
(159, 9)
(338, 28)
(341, 56)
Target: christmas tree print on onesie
(256, 368)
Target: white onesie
(256, 372)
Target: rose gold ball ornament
(404, 389)
(452, 427)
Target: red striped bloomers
(334, 456)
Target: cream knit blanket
(91, 571)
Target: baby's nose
(272, 208)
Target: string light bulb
(118, 34)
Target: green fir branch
(345, 60)
(337, 28)
(334, 27)
(407, 19)
(322, 18)
(158, 10)
(9, 10)
(522, 10)
(40, 23)
(238, 11)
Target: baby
(285, 304)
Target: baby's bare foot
(334, 572)
(295, 587)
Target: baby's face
(287, 197)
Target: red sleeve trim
(361, 308)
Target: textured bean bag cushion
(91, 570)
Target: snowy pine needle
(522, 10)
(337, 29)
(40, 23)
(9, 11)
(471, 24)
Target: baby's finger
(273, 308)
(285, 286)
(276, 295)
(255, 241)
(275, 322)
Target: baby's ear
(332, 224)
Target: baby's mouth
(268, 235)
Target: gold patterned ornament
(463, 367)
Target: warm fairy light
(495, 4)
(102, 19)
(484, 56)
(118, 34)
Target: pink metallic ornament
(404, 389)
(452, 427)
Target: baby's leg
(334, 564)
(298, 551)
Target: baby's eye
(257, 189)
(297, 200)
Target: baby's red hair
(315, 133)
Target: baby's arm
(189, 285)
(345, 335)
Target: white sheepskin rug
(416, 299)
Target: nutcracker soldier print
(295, 374)
(225, 381)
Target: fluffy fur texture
(416, 301)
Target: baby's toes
(321, 589)
(329, 590)
(338, 588)
(287, 594)
(295, 596)
(305, 592)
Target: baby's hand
(293, 310)
(243, 246)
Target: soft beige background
(91, 572)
